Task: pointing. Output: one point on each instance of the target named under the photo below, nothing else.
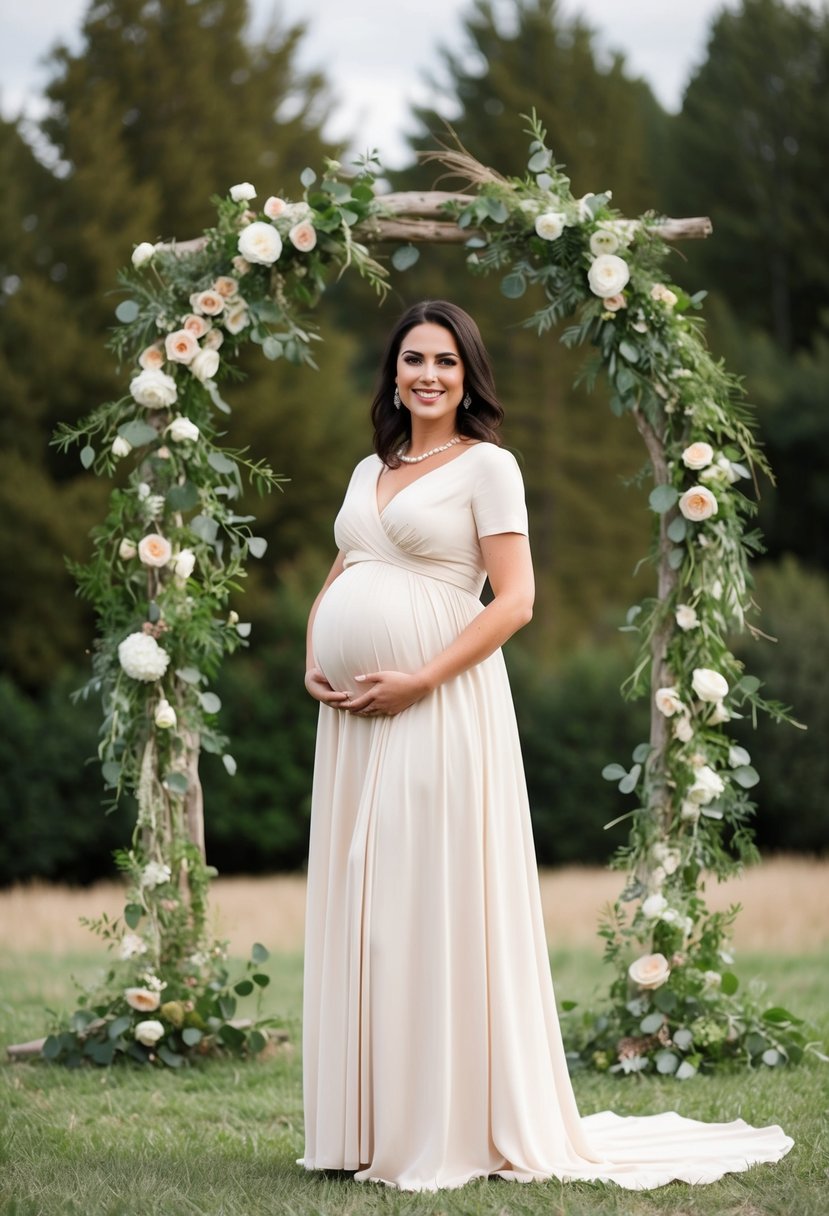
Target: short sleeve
(498, 503)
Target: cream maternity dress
(432, 1052)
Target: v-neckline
(382, 510)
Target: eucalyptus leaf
(613, 772)
(748, 684)
(641, 753)
(191, 1035)
(629, 350)
(183, 497)
(153, 612)
(220, 462)
(651, 1023)
(119, 1026)
(667, 1062)
(137, 433)
(127, 311)
(190, 675)
(210, 703)
(272, 348)
(243, 629)
(307, 177)
(259, 954)
(677, 529)
(171, 1058)
(746, 776)
(230, 764)
(257, 546)
(256, 1041)
(543, 181)
(683, 1038)
(628, 783)
(404, 257)
(227, 1006)
(662, 498)
(675, 558)
(132, 915)
(514, 285)
(176, 782)
(111, 773)
(772, 1057)
(539, 161)
(87, 456)
(665, 1000)
(205, 527)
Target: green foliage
(139, 1017)
(748, 149)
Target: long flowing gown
(431, 1046)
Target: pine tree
(749, 150)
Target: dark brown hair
(393, 427)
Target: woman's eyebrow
(444, 354)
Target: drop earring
(396, 398)
(467, 401)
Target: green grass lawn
(223, 1138)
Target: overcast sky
(377, 53)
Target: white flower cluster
(142, 658)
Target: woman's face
(430, 372)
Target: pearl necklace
(444, 447)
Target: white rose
(205, 365)
(153, 389)
(149, 1032)
(737, 757)
(668, 701)
(155, 873)
(131, 946)
(683, 729)
(182, 430)
(303, 236)
(650, 971)
(121, 446)
(260, 243)
(207, 303)
(607, 275)
(142, 658)
(689, 812)
(707, 786)
(184, 563)
(603, 241)
(654, 906)
(181, 346)
(127, 549)
(213, 340)
(686, 616)
(237, 319)
(142, 999)
(698, 504)
(550, 225)
(709, 685)
(165, 716)
(718, 715)
(142, 253)
(154, 550)
(670, 858)
(242, 192)
(697, 455)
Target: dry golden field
(785, 909)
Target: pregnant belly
(380, 617)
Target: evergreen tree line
(166, 104)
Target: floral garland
(173, 547)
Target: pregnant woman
(432, 1052)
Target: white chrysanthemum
(142, 658)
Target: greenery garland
(173, 548)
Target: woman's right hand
(321, 690)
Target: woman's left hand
(386, 692)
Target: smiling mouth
(428, 394)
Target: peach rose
(614, 303)
(698, 455)
(663, 295)
(303, 236)
(275, 207)
(181, 346)
(650, 971)
(698, 504)
(152, 357)
(207, 303)
(142, 999)
(226, 286)
(196, 325)
(154, 550)
(668, 701)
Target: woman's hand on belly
(387, 692)
(321, 690)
